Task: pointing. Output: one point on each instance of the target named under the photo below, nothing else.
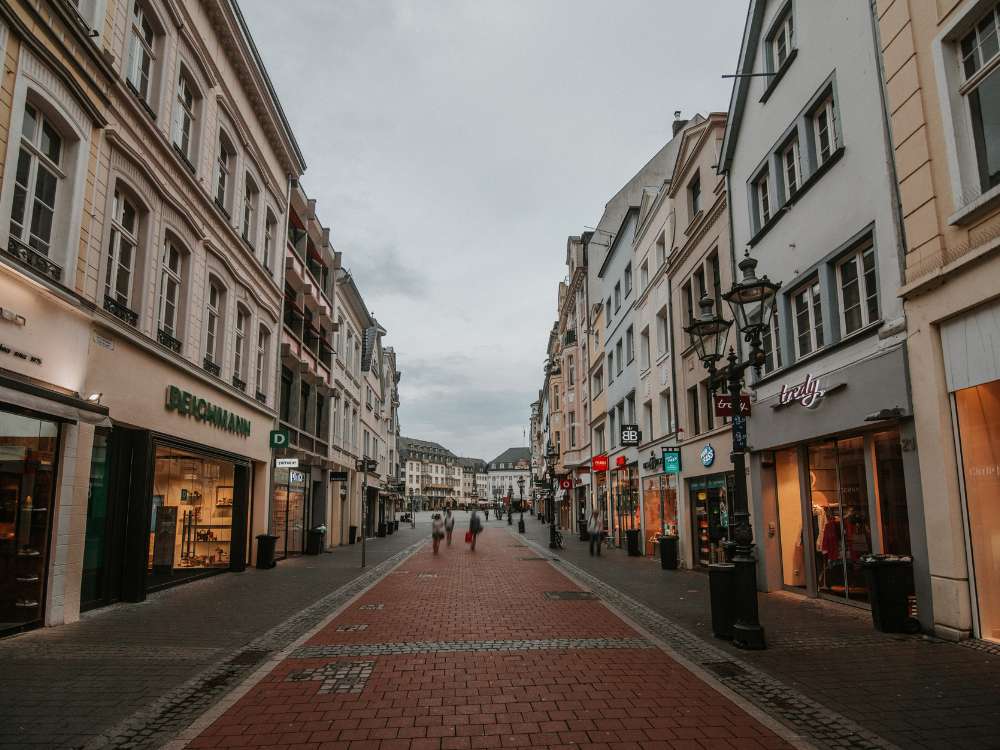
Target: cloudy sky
(453, 145)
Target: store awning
(28, 395)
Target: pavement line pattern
(807, 718)
(181, 707)
(434, 647)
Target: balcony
(211, 367)
(119, 310)
(33, 259)
(168, 341)
(569, 337)
(294, 319)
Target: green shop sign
(190, 405)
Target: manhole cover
(570, 595)
(724, 668)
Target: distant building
(505, 470)
(473, 478)
(429, 474)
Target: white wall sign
(286, 463)
(808, 393)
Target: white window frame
(857, 259)
(38, 161)
(141, 48)
(185, 117)
(785, 31)
(774, 336)
(121, 237)
(791, 148)
(630, 345)
(169, 274)
(813, 299)
(825, 110)
(251, 197)
(263, 338)
(213, 318)
(270, 232)
(239, 344)
(224, 163)
(762, 198)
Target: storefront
(289, 511)
(710, 503)
(659, 503)
(841, 490)
(623, 498)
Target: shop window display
(27, 480)
(710, 508)
(191, 520)
(659, 492)
(288, 512)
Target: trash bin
(265, 551)
(890, 583)
(668, 552)
(721, 577)
(390, 527)
(381, 528)
(314, 540)
(352, 534)
(632, 539)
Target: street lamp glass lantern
(708, 332)
(752, 300)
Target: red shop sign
(621, 462)
(724, 405)
(566, 484)
(600, 463)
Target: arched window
(36, 182)
(263, 344)
(186, 108)
(123, 246)
(141, 70)
(169, 301)
(251, 195)
(240, 347)
(214, 313)
(224, 166)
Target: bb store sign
(189, 405)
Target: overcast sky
(453, 145)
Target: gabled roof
(741, 84)
(692, 141)
(476, 464)
(512, 456)
(413, 446)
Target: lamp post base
(747, 630)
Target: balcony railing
(119, 310)
(168, 341)
(262, 397)
(240, 384)
(34, 259)
(293, 318)
(211, 367)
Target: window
(597, 384)
(618, 296)
(630, 344)
(607, 313)
(978, 49)
(647, 419)
(781, 42)
(771, 343)
(224, 172)
(644, 348)
(825, 128)
(661, 249)
(170, 286)
(713, 269)
(644, 275)
(121, 251)
(611, 367)
(706, 401)
(36, 181)
(270, 232)
(790, 171)
(612, 432)
(184, 118)
(694, 195)
(808, 311)
(688, 307)
(628, 279)
(570, 371)
(665, 420)
(262, 346)
(858, 289)
(572, 429)
(762, 198)
(250, 195)
(213, 325)
(239, 348)
(555, 397)
(694, 416)
(618, 356)
(304, 396)
(630, 408)
(320, 402)
(285, 404)
(141, 57)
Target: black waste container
(265, 551)
(668, 552)
(352, 534)
(381, 528)
(314, 541)
(890, 583)
(721, 577)
(632, 538)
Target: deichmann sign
(808, 393)
(188, 404)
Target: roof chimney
(678, 124)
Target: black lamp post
(520, 489)
(413, 511)
(510, 504)
(752, 303)
(550, 458)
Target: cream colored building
(941, 83)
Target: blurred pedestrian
(475, 527)
(449, 525)
(437, 531)
(595, 528)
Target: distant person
(437, 531)
(595, 528)
(475, 528)
(449, 525)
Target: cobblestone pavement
(130, 675)
(473, 679)
(859, 685)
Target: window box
(168, 341)
(211, 367)
(119, 310)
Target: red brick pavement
(555, 698)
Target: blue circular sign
(707, 455)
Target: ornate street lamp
(510, 504)
(551, 454)
(413, 511)
(520, 489)
(752, 303)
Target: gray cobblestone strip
(437, 647)
(807, 718)
(154, 726)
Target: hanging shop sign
(672, 460)
(599, 463)
(187, 404)
(566, 484)
(724, 405)
(807, 393)
(707, 455)
(631, 434)
(621, 462)
(279, 438)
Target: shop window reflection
(656, 489)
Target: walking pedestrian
(475, 527)
(449, 525)
(437, 531)
(595, 528)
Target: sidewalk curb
(783, 730)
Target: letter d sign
(279, 438)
